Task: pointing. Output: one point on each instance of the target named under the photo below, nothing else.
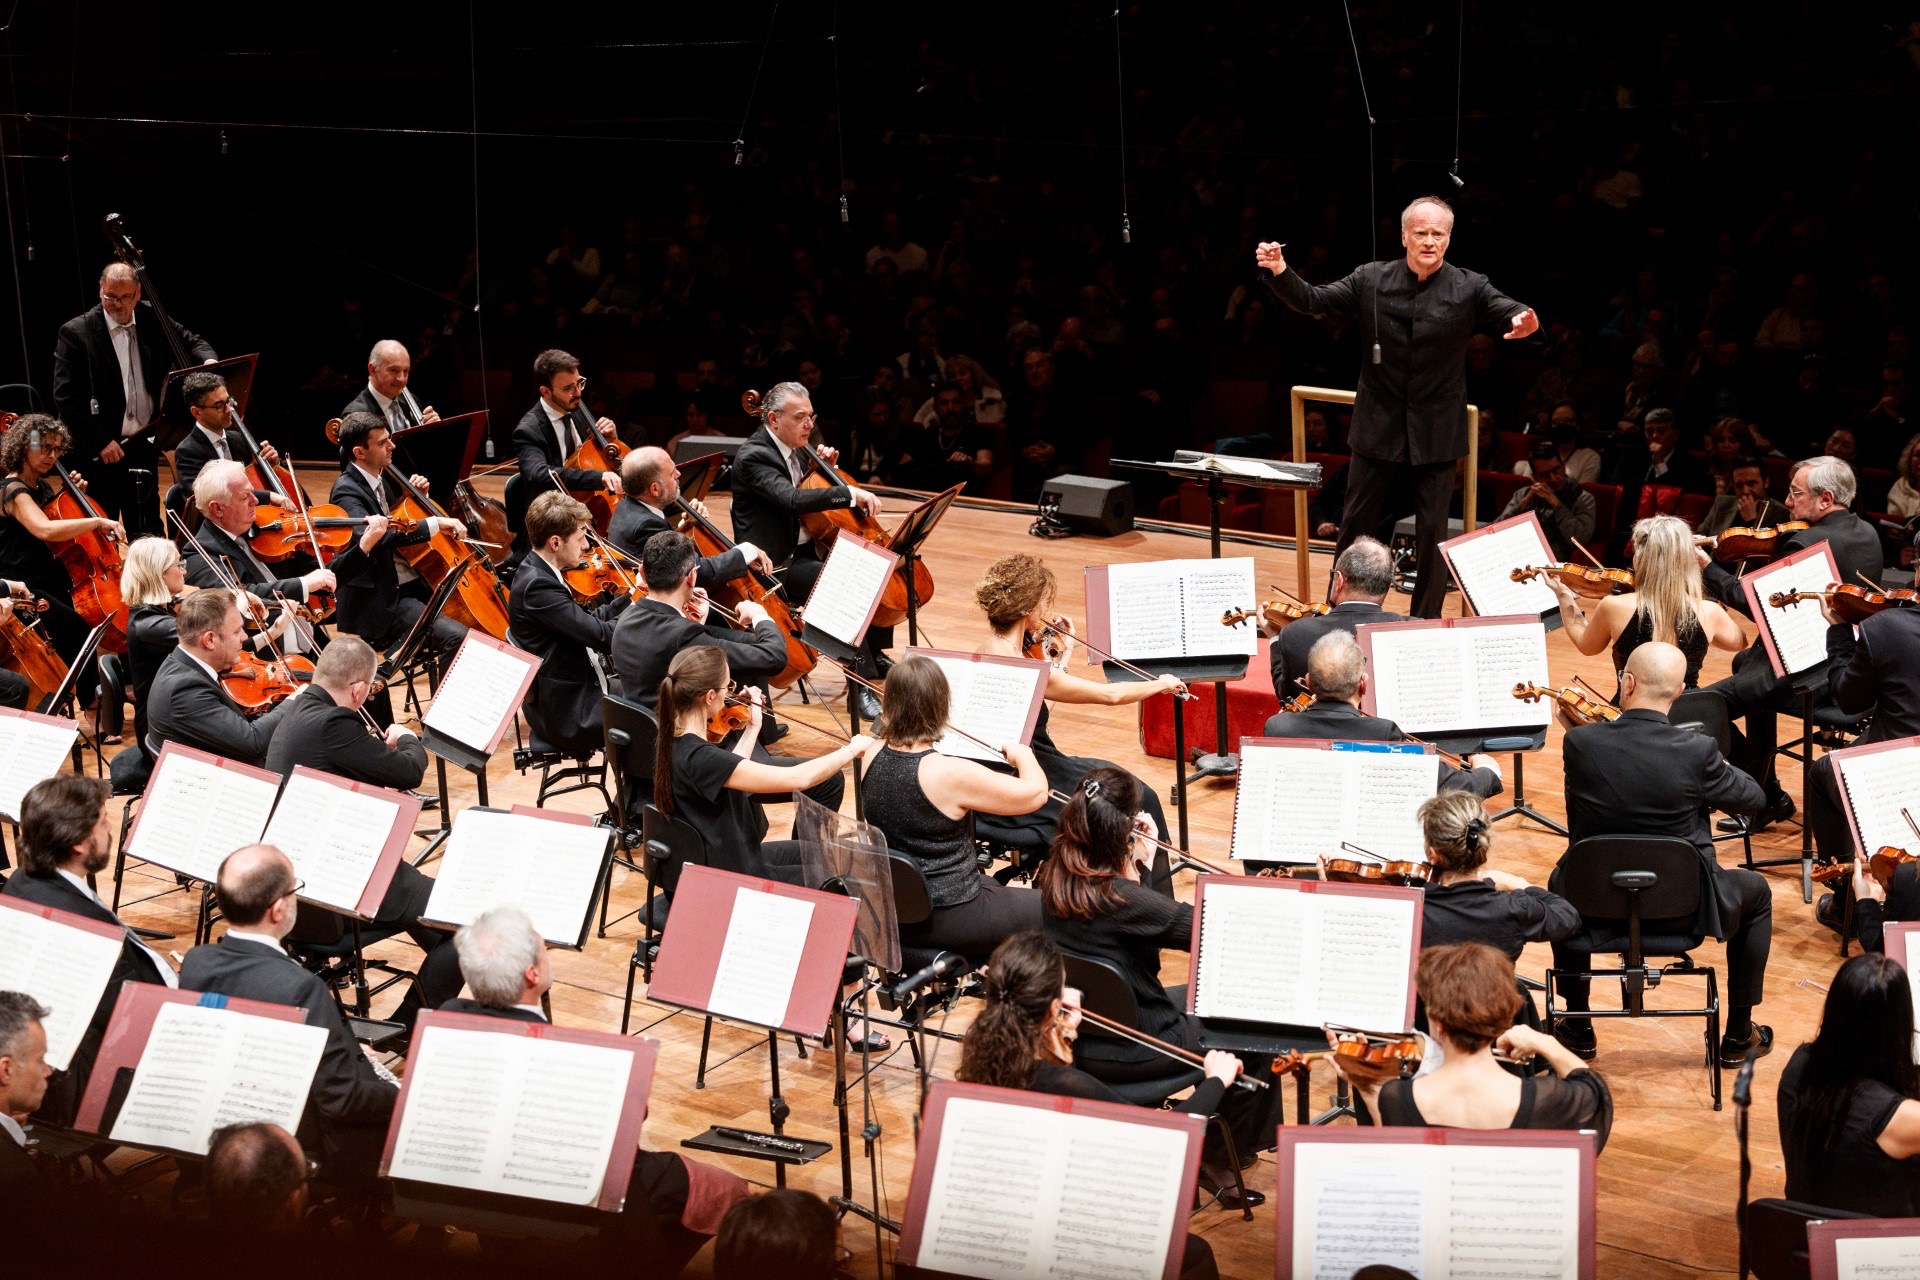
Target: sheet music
(194, 814)
(1876, 786)
(1300, 959)
(513, 1114)
(333, 836)
(1877, 1258)
(1296, 803)
(1022, 1192)
(766, 935)
(64, 968)
(546, 867)
(1439, 1212)
(31, 750)
(843, 596)
(1484, 563)
(1172, 608)
(1456, 679)
(1799, 631)
(990, 700)
(480, 691)
(204, 1068)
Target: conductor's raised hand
(1267, 256)
(1524, 325)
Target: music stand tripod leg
(844, 1203)
(1520, 807)
(777, 1109)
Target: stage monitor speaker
(691, 447)
(1088, 505)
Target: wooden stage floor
(1667, 1181)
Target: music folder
(996, 699)
(1876, 782)
(345, 838)
(549, 863)
(1301, 797)
(1482, 564)
(1796, 636)
(172, 421)
(847, 593)
(754, 951)
(62, 960)
(1162, 609)
(500, 1112)
(198, 808)
(1863, 1248)
(480, 694)
(442, 450)
(1443, 677)
(1011, 1183)
(32, 749)
(1443, 1204)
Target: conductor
(1410, 409)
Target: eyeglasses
(294, 892)
(122, 299)
(219, 406)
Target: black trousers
(1754, 693)
(798, 577)
(111, 484)
(1745, 898)
(444, 639)
(1832, 837)
(1368, 482)
(975, 927)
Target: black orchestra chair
(1636, 896)
(566, 764)
(1104, 991)
(1776, 1237)
(668, 846)
(1023, 846)
(632, 735)
(913, 905)
(333, 948)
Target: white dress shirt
(167, 975)
(126, 350)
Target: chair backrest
(1586, 877)
(633, 735)
(671, 845)
(1606, 506)
(1705, 713)
(912, 900)
(516, 500)
(1103, 990)
(1777, 1236)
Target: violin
(1585, 582)
(1741, 543)
(1880, 866)
(93, 562)
(605, 573)
(1849, 603)
(1049, 644)
(25, 651)
(825, 526)
(1370, 1048)
(751, 585)
(255, 682)
(1401, 874)
(1276, 613)
(1299, 702)
(276, 480)
(1575, 708)
(735, 713)
(278, 533)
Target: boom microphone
(945, 965)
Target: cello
(93, 562)
(26, 652)
(709, 541)
(596, 453)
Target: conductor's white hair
(1828, 474)
(780, 393)
(496, 949)
(215, 481)
(1435, 201)
(1336, 665)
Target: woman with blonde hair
(1667, 604)
(978, 390)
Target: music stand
(1221, 670)
(63, 698)
(908, 537)
(171, 421)
(698, 476)
(403, 656)
(438, 451)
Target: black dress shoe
(1577, 1038)
(1218, 1184)
(1778, 809)
(1827, 912)
(1733, 1053)
(426, 801)
(771, 731)
(868, 704)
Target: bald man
(1642, 776)
(388, 369)
(109, 365)
(650, 483)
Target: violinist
(1018, 594)
(554, 429)
(1819, 494)
(1024, 1037)
(1362, 576)
(768, 504)
(649, 484)
(564, 703)
(389, 368)
(211, 404)
(1667, 604)
(1567, 511)
(187, 703)
(228, 502)
(1468, 901)
(1471, 997)
(119, 346)
(1337, 678)
(1096, 905)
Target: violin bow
(1174, 1051)
(593, 536)
(1588, 554)
(1908, 815)
(1128, 667)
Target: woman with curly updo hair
(1017, 594)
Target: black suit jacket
(1853, 542)
(88, 394)
(367, 582)
(347, 1093)
(1412, 406)
(649, 634)
(65, 1089)
(1287, 654)
(1881, 667)
(25, 1191)
(1642, 776)
(539, 452)
(548, 624)
(365, 403)
(460, 1004)
(634, 524)
(188, 706)
(195, 451)
(766, 504)
(321, 734)
(1344, 722)
(226, 551)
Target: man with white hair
(1417, 315)
(388, 369)
(227, 501)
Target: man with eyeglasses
(211, 404)
(351, 1101)
(109, 365)
(553, 429)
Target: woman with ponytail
(1468, 901)
(710, 787)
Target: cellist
(649, 484)
(554, 429)
(211, 404)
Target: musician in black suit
(24, 1187)
(109, 366)
(187, 704)
(656, 628)
(550, 431)
(389, 368)
(349, 1105)
(1337, 677)
(1819, 493)
(222, 494)
(1362, 576)
(66, 836)
(507, 969)
(380, 595)
(212, 406)
(768, 504)
(649, 484)
(564, 704)
(1642, 775)
(323, 730)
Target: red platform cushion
(1250, 703)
